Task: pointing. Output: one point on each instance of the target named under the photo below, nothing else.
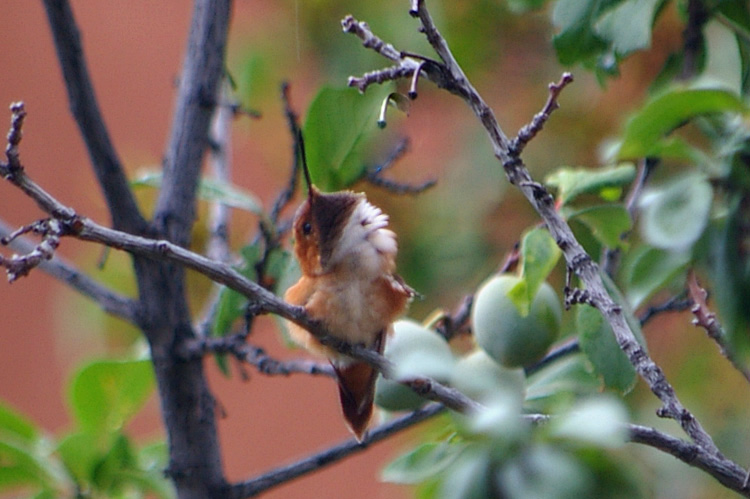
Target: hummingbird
(347, 256)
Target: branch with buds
(447, 74)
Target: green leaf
(576, 40)
(115, 466)
(675, 216)
(628, 26)
(22, 467)
(209, 189)
(646, 270)
(231, 304)
(645, 132)
(598, 341)
(600, 346)
(607, 223)
(105, 394)
(543, 471)
(468, 477)
(16, 425)
(423, 462)
(737, 14)
(723, 59)
(539, 255)
(80, 452)
(338, 122)
(573, 182)
(564, 378)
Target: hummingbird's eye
(306, 228)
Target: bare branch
(375, 177)
(528, 132)
(568, 348)
(197, 96)
(20, 265)
(109, 171)
(15, 135)
(450, 325)
(725, 471)
(255, 356)
(674, 304)
(285, 196)
(706, 319)
(63, 271)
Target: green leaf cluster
(495, 453)
(96, 458)
(600, 33)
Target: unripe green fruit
(416, 351)
(480, 377)
(502, 332)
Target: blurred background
(451, 237)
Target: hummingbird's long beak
(305, 169)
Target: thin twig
(110, 301)
(375, 177)
(286, 194)
(451, 325)
(674, 304)
(707, 320)
(254, 356)
(219, 220)
(692, 38)
(529, 131)
(568, 348)
(611, 256)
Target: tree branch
(107, 166)
(255, 356)
(196, 98)
(706, 319)
(314, 462)
(725, 471)
(375, 175)
(450, 76)
(111, 302)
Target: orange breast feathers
(354, 310)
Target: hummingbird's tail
(357, 391)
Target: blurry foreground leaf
(675, 216)
(105, 394)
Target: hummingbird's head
(318, 227)
(341, 227)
